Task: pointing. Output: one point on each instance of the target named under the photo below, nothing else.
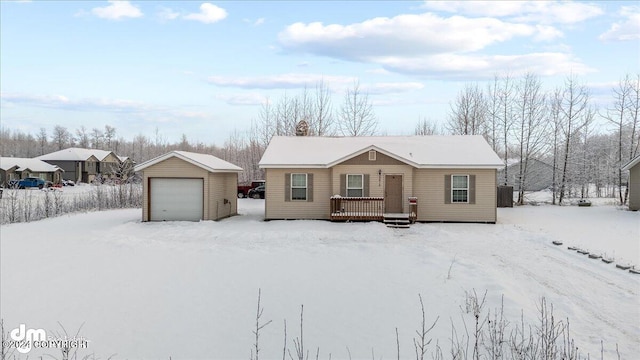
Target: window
(299, 187)
(459, 188)
(355, 185)
(372, 155)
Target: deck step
(396, 220)
(398, 226)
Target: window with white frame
(299, 187)
(355, 185)
(459, 188)
(372, 155)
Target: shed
(634, 182)
(182, 185)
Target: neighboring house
(183, 185)
(452, 178)
(634, 182)
(19, 168)
(539, 175)
(83, 165)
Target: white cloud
(282, 81)
(117, 10)
(407, 35)
(167, 14)
(243, 99)
(392, 87)
(259, 22)
(100, 105)
(485, 66)
(546, 12)
(208, 14)
(627, 29)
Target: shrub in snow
(30, 205)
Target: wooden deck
(368, 209)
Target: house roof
(633, 162)
(76, 154)
(461, 151)
(205, 161)
(22, 164)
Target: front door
(393, 194)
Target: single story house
(634, 182)
(83, 165)
(19, 168)
(428, 178)
(538, 175)
(182, 185)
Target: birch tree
(617, 114)
(530, 126)
(574, 101)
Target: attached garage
(185, 186)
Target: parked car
(257, 192)
(31, 182)
(243, 190)
(68, 183)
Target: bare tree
(97, 138)
(530, 126)
(61, 137)
(468, 112)
(425, 127)
(493, 113)
(574, 101)
(505, 101)
(109, 135)
(616, 114)
(83, 137)
(42, 140)
(356, 116)
(321, 120)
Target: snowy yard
(189, 290)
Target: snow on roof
(205, 161)
(418, 151)
(633, 162)
(75, 154)
(34, 165)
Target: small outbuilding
(634, 182)
(182, 185)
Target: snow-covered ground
(188, 290)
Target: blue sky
(203, 68)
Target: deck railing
(357, 208)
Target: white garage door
(176, 199)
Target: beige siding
(172, 168)
(363, 159)
(634, 188)
(376, 182)
(277, 208)
(429, 188)
(222, 186)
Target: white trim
(306, 187)
(633, 162)
(467, 189)
(361, 188)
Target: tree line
(522, 121)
